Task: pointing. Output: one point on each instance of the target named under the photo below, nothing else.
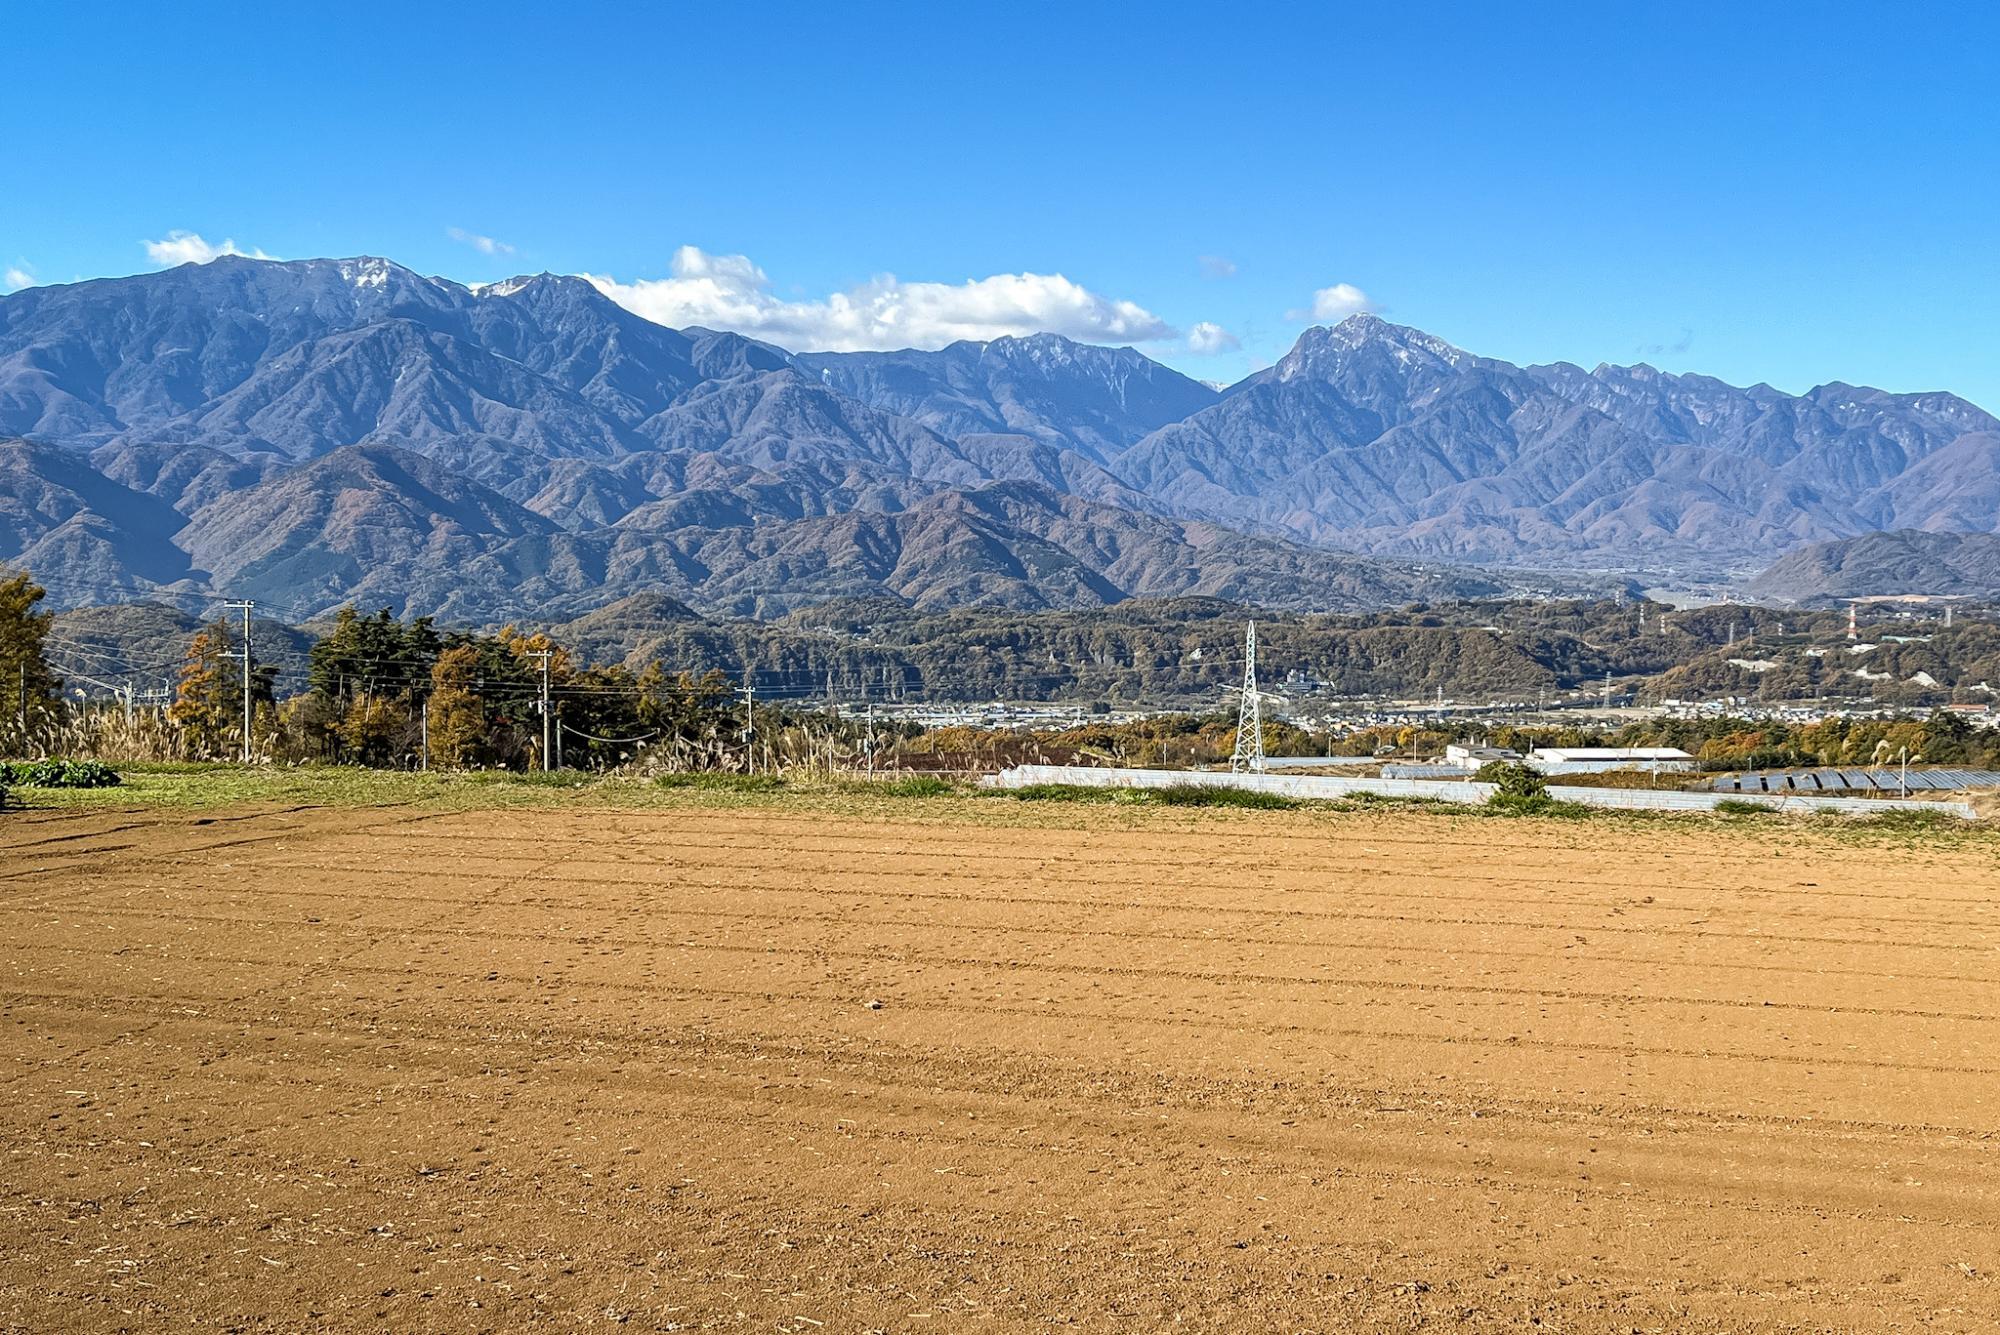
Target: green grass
(914, 785)
(1736, 806)
(1066, 792)
(1176, 795)
(712, 781)
(210, 786)
(1914, 821)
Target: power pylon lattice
(1249, 753)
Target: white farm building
(1597, 759)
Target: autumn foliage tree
(207, 700)
(458, 716)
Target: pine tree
(30, 691)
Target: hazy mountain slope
(785, 416)
(1014, 545)
(312, 535)
(1096, 401)
(1956, 487)
(61, 518)
(1388, 439)
(1905, 561)
(187, 477)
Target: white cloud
(1334, 303)
(485, 245)
(1216, 266)
(730, 292)
(190, 248)
(1206, 339)
(17, 277)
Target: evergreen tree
(30, 691)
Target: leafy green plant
(58, 774)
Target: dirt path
(393, 1070)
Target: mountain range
(316, 431)
(1885, 565)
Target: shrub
(1512, 779)
(1537, 804)
(58, 774)
(1736, 806)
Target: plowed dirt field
(767, 1069)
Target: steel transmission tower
(1249, 753)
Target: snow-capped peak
(1409, 347)
(506, 287)
(366, 272)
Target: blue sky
(1792, 194)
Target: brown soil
(391, 1070)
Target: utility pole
(871, 739)
(543, 704)
(424, 731)
(246, 605)
(749, 720)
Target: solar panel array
(1854, 780)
